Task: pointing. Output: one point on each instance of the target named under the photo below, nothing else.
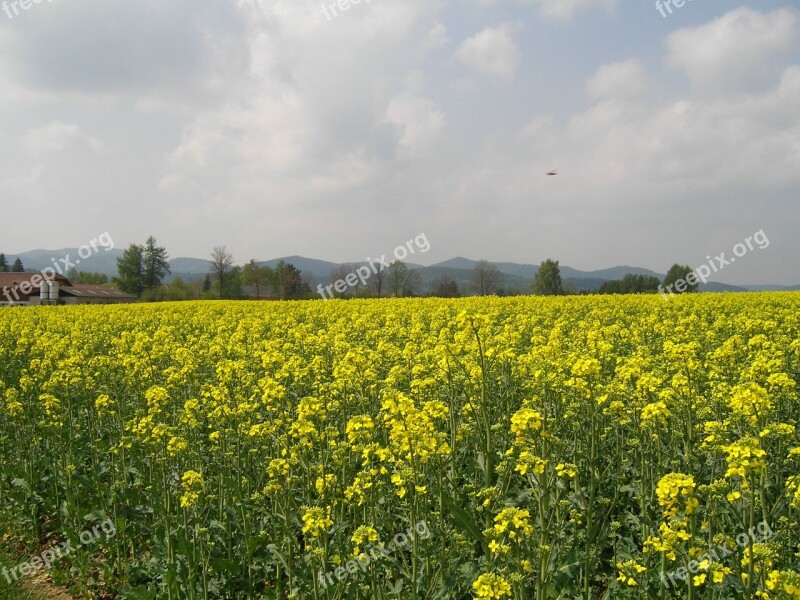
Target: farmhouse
(32, 289)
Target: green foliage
(233, 284)
(547, 281)
(18, 268)
(289, 282)
(156, 264)
(130, 270)
(176, 291)
(10, 557)
(679, 273)
(258, 276)
(445, 288)
(631, 284)
(142, 268)
(3, 263)
(83, 278)
(402, 281)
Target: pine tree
(130, 270)
(156, 264)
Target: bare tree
(221, 265)
(340, 273)
(378, 279)
(413, 283)
(485, 279)
(398, 274)
(309, 280)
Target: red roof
(13, 279)
(10, 288)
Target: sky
(293, 127)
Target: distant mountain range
(516, 276)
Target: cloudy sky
(275, 127)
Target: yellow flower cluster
(793, 487)
(655, 414)
(751, 402)
(628, 571)
(675, 493)
(785, 583)
(490, 585)
(745, 456)
(525, 421)
(192, 483)
(362, 536)
(317, 521)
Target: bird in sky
(552, 173)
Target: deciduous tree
(485, 279)
(547, 281)
(221, 265)
(289, 280)
(258, 276)
(681, 273)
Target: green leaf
(463, 521)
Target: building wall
(71, 300)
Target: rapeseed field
(520, 448)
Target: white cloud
(419, 121)
(491, 52)
(57, 137)
(683, 142)
(627, 79)
(739, 51)
(437, 37)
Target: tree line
(17, 267)
(486, 279)
(143, 268)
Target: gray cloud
(181, 47)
